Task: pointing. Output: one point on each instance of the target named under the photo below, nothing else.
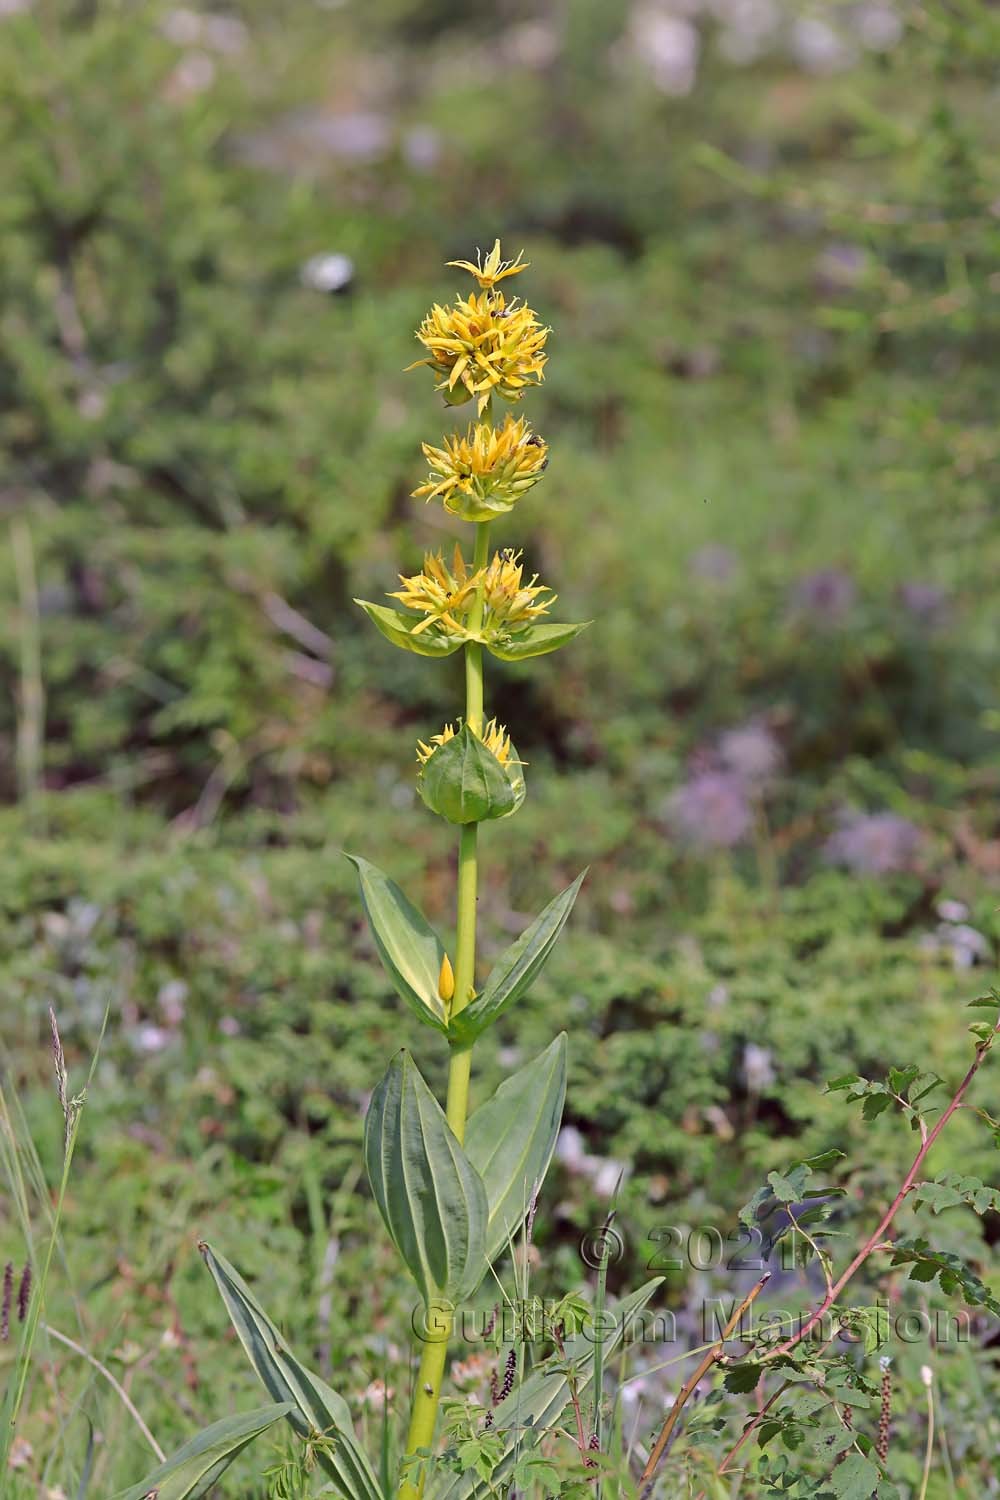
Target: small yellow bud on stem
(446, 981)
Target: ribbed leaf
(430, 1195)
(314, 1407)
(538, 1402)
(397, 627)
(193, 1469)
(510, 1140)
(517, 969)
(536, 640)
(465, 783)
(408, 946)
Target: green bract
(465, 783)
(535, 640)
(397, 627)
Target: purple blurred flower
(841, 266)
(711, 810)
(828, 595)
(964, 945)
(924, 601)
(875, 844)
(750, 752)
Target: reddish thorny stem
(870, 1245)
(909, 1182)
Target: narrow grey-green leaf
(397, 627)
(429, 1194)
(536, 640)
(315, 1407)
(465, 783)
(193, 1469)
(517, 969)
(510, 1140)
(537, 1403)
(408, 946)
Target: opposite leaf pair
(413, 955)
(449, 1210)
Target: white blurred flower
(192, 76)
(422, 148)
(531, 44)
(151, 1039)
(330, 272)
(879, 27)
(667, 46)
(758, 1068)
(819, 47)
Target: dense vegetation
(777, 750)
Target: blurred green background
(766, 237)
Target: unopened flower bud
(446, 980)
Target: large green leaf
(465, 783)
(397, 627)
(538, 1402)
(430, 1195)
(517, 969)
(193, 1469)
(408, 946)
(510, 1140)
(536, 640)
(314, 1407)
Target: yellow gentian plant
(453, 1188)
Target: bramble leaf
(854, 1478)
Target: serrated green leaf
(410, 950)
(510, 1140)
(845, 1081)
(464, 782)
(397, 627)
(740, 1379)
(315, 1407)
(787, 1188)
(518, 968)
(535, 640)
(429, 1194)
(193, 1469)
(854, 1478)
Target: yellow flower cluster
(482, 345)
(482, 473)
(444, 594)
(494, 737)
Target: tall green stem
(423, 1417)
